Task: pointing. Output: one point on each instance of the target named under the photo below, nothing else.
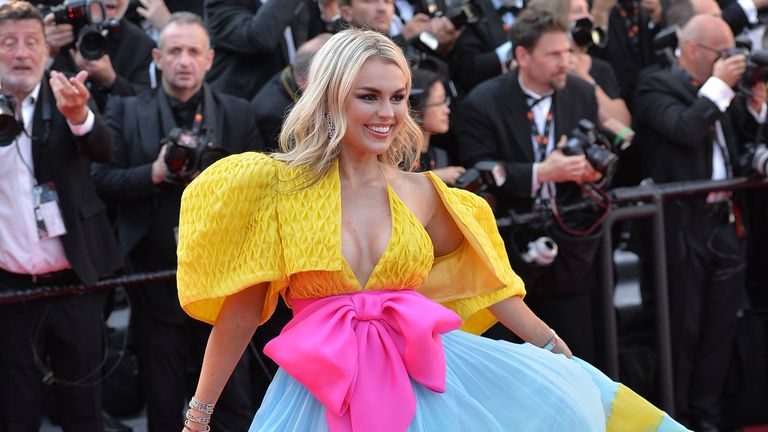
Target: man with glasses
(688, 120)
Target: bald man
(684, 118)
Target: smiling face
(23, 52)
(375, 109)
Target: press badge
(48, 212)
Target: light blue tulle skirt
(490, 386)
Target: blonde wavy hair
(305, 141)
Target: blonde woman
(381, 268)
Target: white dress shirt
(540, 111)
(21, 250)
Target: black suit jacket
(626, 63)
(249, 43)
(474, 58)
(271, 105)
(130, 55)
(64, 159)
(492, 125)
(675, 130)
(135, 125)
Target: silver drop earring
(331, 126)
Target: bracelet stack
(191, 417)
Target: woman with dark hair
(430, 108)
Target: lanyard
(541, 138)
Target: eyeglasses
(721, 53)
(445, 102)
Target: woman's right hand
(561, 347)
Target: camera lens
(760, 160)
(91, 43)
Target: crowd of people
(547, 103)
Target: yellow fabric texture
(246, 219)
(630, 412)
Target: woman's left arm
(516, 316)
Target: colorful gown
(385, 355)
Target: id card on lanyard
(47, 209)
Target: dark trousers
(66, 335)
(170, 356)
(706, 291)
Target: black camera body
(10, 120)
(189, 153)
(754, 159)
(91, 27)
(463, 13)
(587, 140)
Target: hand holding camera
(730, 69)
(558, 168)
(57, 35)
(100, 70)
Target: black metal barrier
(644, 201)
(105, 284)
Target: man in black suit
(686, 131)
(516, 119)
(53, 230)
(483, 50)
(122, 71)
(147, 188)
(272, 103)
(255, 39)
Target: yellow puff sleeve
(228, 235)
(478, 274)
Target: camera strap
(541, 138)
(205, 114)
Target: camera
(188, 153)
(587, 140)
(754, 159)
(89, 23)
(541, 251)
(585, 34)
(10, 120)
(482, 176)
(465, 12)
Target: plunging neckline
(360, 284)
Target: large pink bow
(355, 352)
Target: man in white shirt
(689, 122)
(53, 231)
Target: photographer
(272, 103)
(483, 50)
(255, 39)
(53, 231)
(429, 103)
(517, 118)
(687, 129)
(146, 181)
(122, 69)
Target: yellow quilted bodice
(405, 263)
(245, 220)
